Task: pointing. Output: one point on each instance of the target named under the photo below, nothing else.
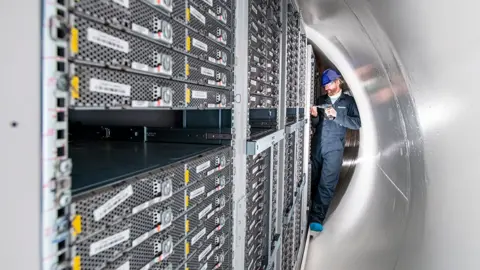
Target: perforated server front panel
(174, 216)
(264, 53)
(258, 203)
(171, 54)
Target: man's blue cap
(329, 76)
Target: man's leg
(331, 166)
(316, 169)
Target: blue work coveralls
(328, 144)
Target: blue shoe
(316, 227)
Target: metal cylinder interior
(412, 200)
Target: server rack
(187, 195)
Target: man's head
(331, 82)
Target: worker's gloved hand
(331, 113)
(314, 111)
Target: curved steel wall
(413, 199)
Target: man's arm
(315, 120)
(351, 119)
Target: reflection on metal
(412, 202)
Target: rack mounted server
(217, 180)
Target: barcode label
(111, 88)
(205, 211)
(202, 167)
(252, 82)
(125, 266)
(255, 170)
(198, 236)
(104, 39)
(254, 38)
(140, 29)
(197, 14)
(205, 252)
(140, 66)
(197, 43)
(113, 203)
(124, 3)
(109, 242)
(140, 104)
(207, 72)
(197, 192)
(209, 2)
(200, 95)
(254, 9)
(204, 267)
(256, 59)
(253, 69)
(254, 26)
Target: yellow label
(77, 225)
(74, 40)
(187, 225)
(187, 69)
(188, 96)
(187, 248)
(187, 201)
(188, 43)
(187, 172)
(76, 263)
(187, 14)
(74, 87)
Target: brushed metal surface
(412, 201)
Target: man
(341, 113)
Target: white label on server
(104, 39)
(111, 204)
(140, 66)
(253, 99)
(197, 43)
(204, 267)
(256, 59)
(211, 213)
(125, 266)
(200, 95)
(202, 167)
(109, 242)
(255, 170)
(209, 2)
(197, 192)
(253, 69)
(207, 72)
(254, 9)
(124, 3)
(198, 236)
(197, 14)
(205, 211)
(107, 87)
(254, 26)
(252, 82)
(251, 225)
(205, 252)
(251, 250)
(211, 59)
(140, 104)
(254, 38)
(140, 29)
(250, 240)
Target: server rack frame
(20, 134)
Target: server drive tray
(102, 163)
